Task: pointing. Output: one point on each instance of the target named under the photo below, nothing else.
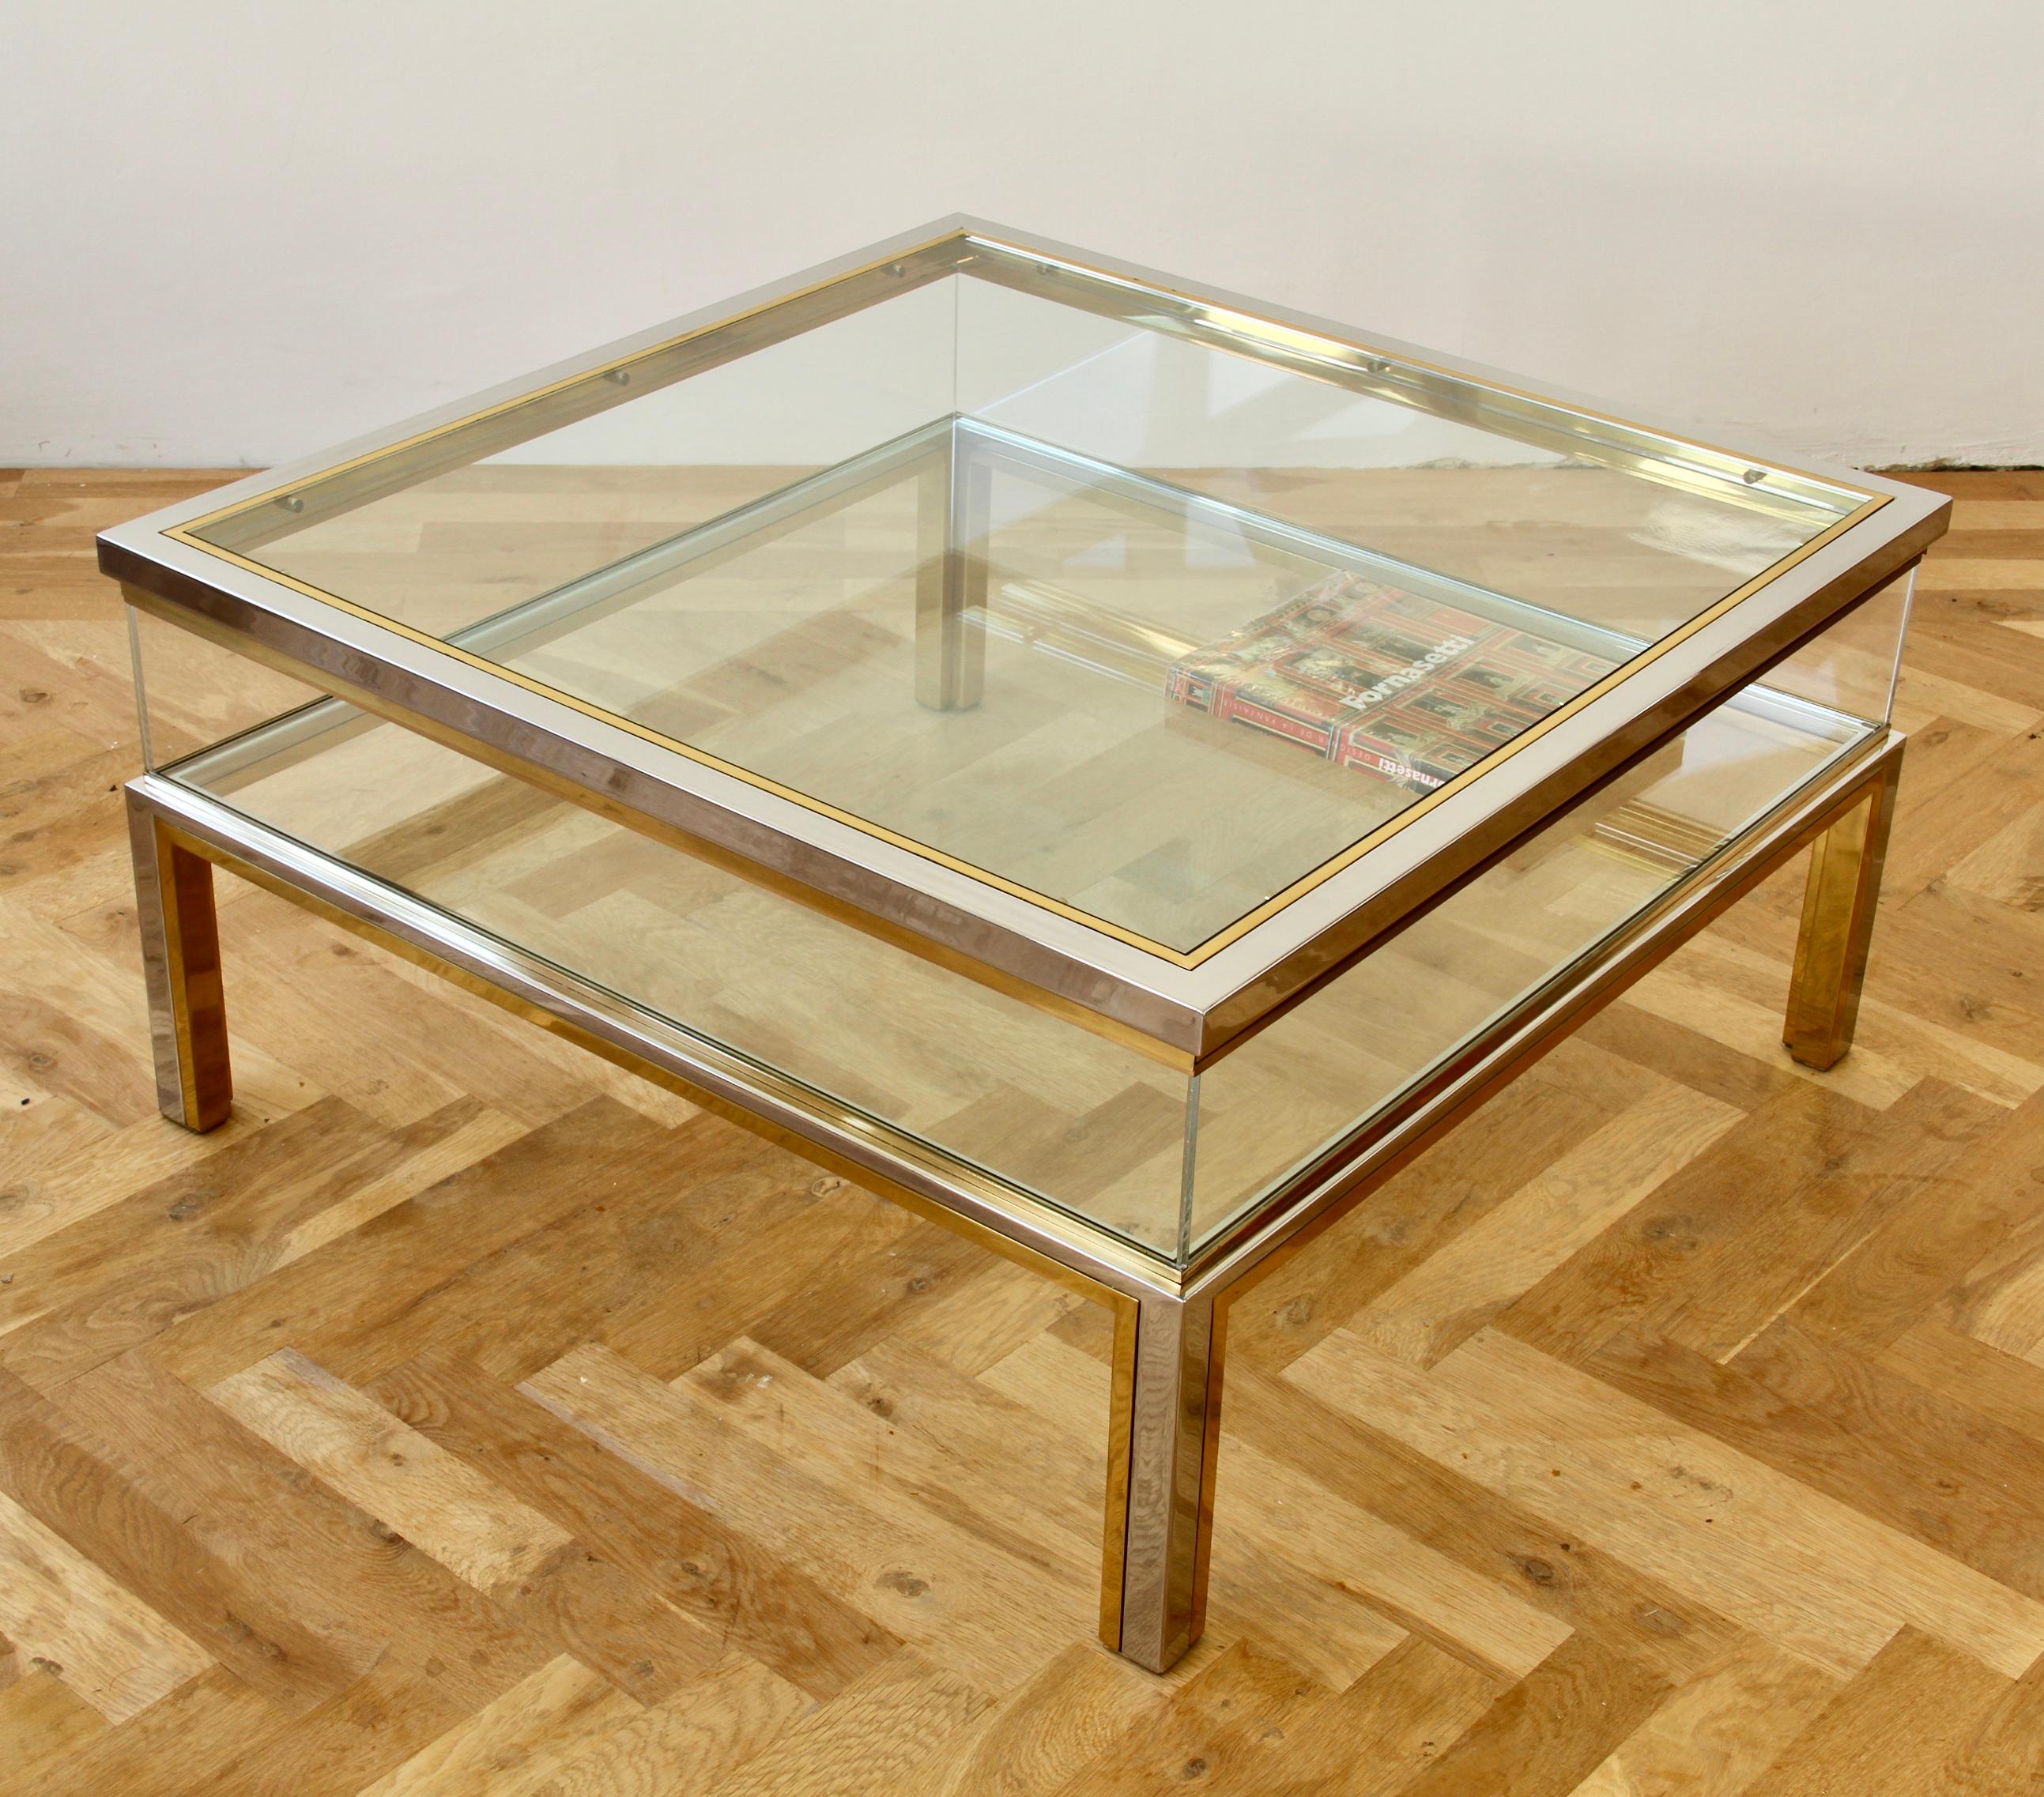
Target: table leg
(181, 963)
(1166, 1431)
(1839, 905)
(952, 496)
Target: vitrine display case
(1117, 767)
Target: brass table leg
(1166, 1424)
(1839, 905)
(953, 494)
(181, 963)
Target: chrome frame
(1184, 1009)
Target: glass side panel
(1141, 613)
(1093, 1127)
(1339, 1057)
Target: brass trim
(1213, 945)
(1120, 1444)
(1292, 981)
(853, 283)
(1542, 1018)
(1170, 1330)
(180, 941)
(1331, 352)
(532, 773)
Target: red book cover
(1371, 676)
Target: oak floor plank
(1794, 1566)
(85, 1489)
(313, 1553)
(175, 1246)
(719, 1577)
(1892, 1728)
(389, 1472)
(562, 1731)
(1578, 1584)
(63, 1614)
(1554, 1727)
(1039, 1735)
(1217, 1727)
(1717, 1732)
(993, 1600)
(898, 1726)
(1842, 1424)
(39, 1719)
(380, 1269)
(1563, 1208)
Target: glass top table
(1114, 763)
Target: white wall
(235, 232)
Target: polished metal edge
(1039, 954)
(532, 624)
(1103, 483)
(1043, 264)
(1414, 377)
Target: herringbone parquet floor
(465, 1417)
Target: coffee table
(1117, 767)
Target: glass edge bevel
(1901, 637)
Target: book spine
(1320, 736)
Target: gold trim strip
(1263, 1235)
(1120, 1445)
(271, 496)
(1276, 339)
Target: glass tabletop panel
(1105, 597)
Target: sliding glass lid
(1149, 610)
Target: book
(1369, 675)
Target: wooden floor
(465, 1417)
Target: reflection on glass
(1094, 1127)
(1342, 1054)
(1314, 691)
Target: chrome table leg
(1166, 1421)
(181, 963)
(1839, 905)
(953, 496)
